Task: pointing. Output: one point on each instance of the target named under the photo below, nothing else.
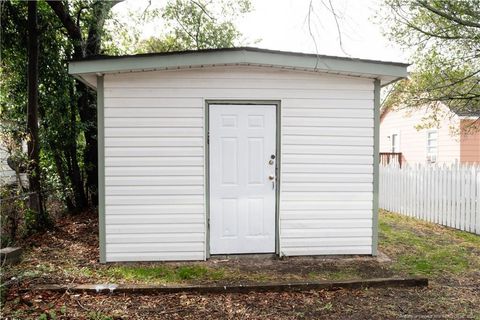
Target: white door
(242, 178)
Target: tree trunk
(35, 198)
(81, 200)
(62, 177)
(88, 116)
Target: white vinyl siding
(155, 166)
(154, 178)
(327, 175)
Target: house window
(432, 146)
(395, 142)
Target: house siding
(327, 174)
(7, 175)
(469, 141)
(413, 142)
(155, 160)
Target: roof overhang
(87, 70)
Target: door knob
(272, 178)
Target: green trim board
(277, 104)
(385, 71)
(207, 178)
(376, 158)
(101, 168)
(278, 174)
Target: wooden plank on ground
(235, 288)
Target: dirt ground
(435, 302)
(69, 254)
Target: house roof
(474, 113)
(87, 69)
(466, 113)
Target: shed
(236, 151)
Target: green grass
(469, 238)
(163, 273)
(415, 247)
(420, 248)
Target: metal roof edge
(251, 49)
(238, 56)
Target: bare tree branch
(431, 34)
(62, 13)
(79, 14)
(309, 17)
(470, 75)
(339, 32)
(177, 17)
(145, 10)
(203, 9)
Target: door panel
(242, 178)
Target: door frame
(277, 104)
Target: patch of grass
(421, 248)
(163, 273)
(192, 272)
(468, 237)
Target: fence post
(447, 195)
(430, 193)
(394, 187)
(419, 193)
(463, 212)
(381, 184)
(387, 186)
(443, 193)
(458, 198)
(436, 185)
(477, 209)
(466, 195)
(472, 198)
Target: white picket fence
(447, 195)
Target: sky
(282, 25)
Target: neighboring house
(235, 151)
(7, 175)
(456, 138)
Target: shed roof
(87, 69)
